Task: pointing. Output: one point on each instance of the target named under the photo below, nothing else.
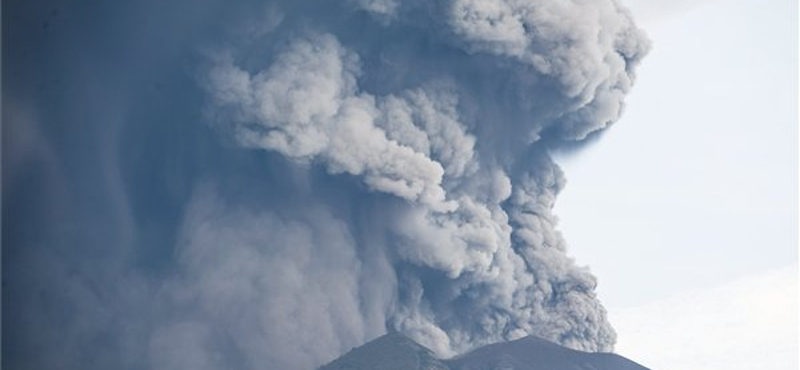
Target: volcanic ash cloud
(440, 115)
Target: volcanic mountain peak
(394, 351)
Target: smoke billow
(370, 165)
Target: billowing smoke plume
(474, 245)
(375, 165)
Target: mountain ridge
(394, 351)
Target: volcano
(394, 351)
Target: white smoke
(307, 106)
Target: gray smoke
(375, 165)
(474, 246)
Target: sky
(698, 183)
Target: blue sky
(695, 188)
